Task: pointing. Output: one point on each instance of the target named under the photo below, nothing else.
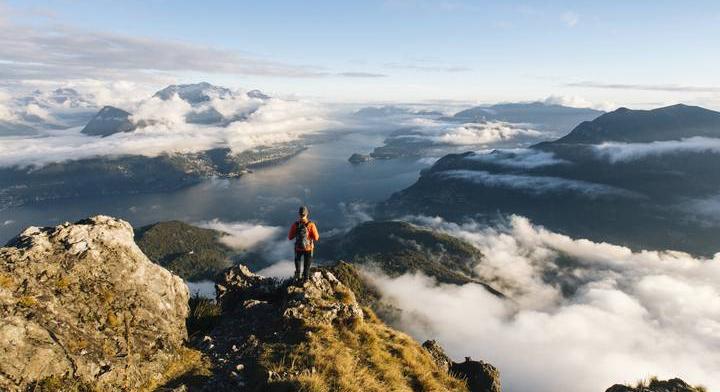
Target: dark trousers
(306, 256)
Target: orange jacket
(312, 234)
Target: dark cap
(303, 211)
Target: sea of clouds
(580, 316)
(252, 123)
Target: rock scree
(81, 301)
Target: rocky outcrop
(655, 385)
(81, 301)
(311, 335)
(480, 376)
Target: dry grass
(55, 384)
(204, 315)
(27, 301)
(650, 382)
(367, 356)
(63, 283)
(6, 281)
(189, 364)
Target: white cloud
(570, 18)
(268, 241)
(6, 114)
(161, 113)
(487, 133)
(628, 314)
(617, 152)
(471, 134)
(271, 122)
(705, 211)
(522, 158)
(577, 102)
(61, 53)
(280, 270)
(672, 88)
(39, 112)
(537, 185)
(243, 235)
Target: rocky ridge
(81, 301)
(655, 385)
(315, 335)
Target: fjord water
(320, 177)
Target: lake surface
(320, 177)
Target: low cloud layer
(492, 132)
(581, 315)
(519, 158)
(647, 87)
(472, 134)
(243, 235)
(618, 152)
(257, 123)
(537, 185)
(269, 242)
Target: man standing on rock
(305, 233)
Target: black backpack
(302, 235)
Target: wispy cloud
(646, 87)
(522, 158)
(537, 185)
(570, 18)
(58, 52)
(64, 51)
(618, 152)
(362, 75)
(429, 67)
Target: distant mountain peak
(673, 122)
(194, 93)
(109, 120)
(257, 94)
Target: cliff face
(81, 301)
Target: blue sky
(635, 53)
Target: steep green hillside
(398, 247)
(192, 252)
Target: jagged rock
(673, 385)
(82, 301)
(239, 285)
(480, 376)
(322, 299)
(291, 336)
(438, 354)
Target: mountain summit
(84, 309)
(643, 126)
